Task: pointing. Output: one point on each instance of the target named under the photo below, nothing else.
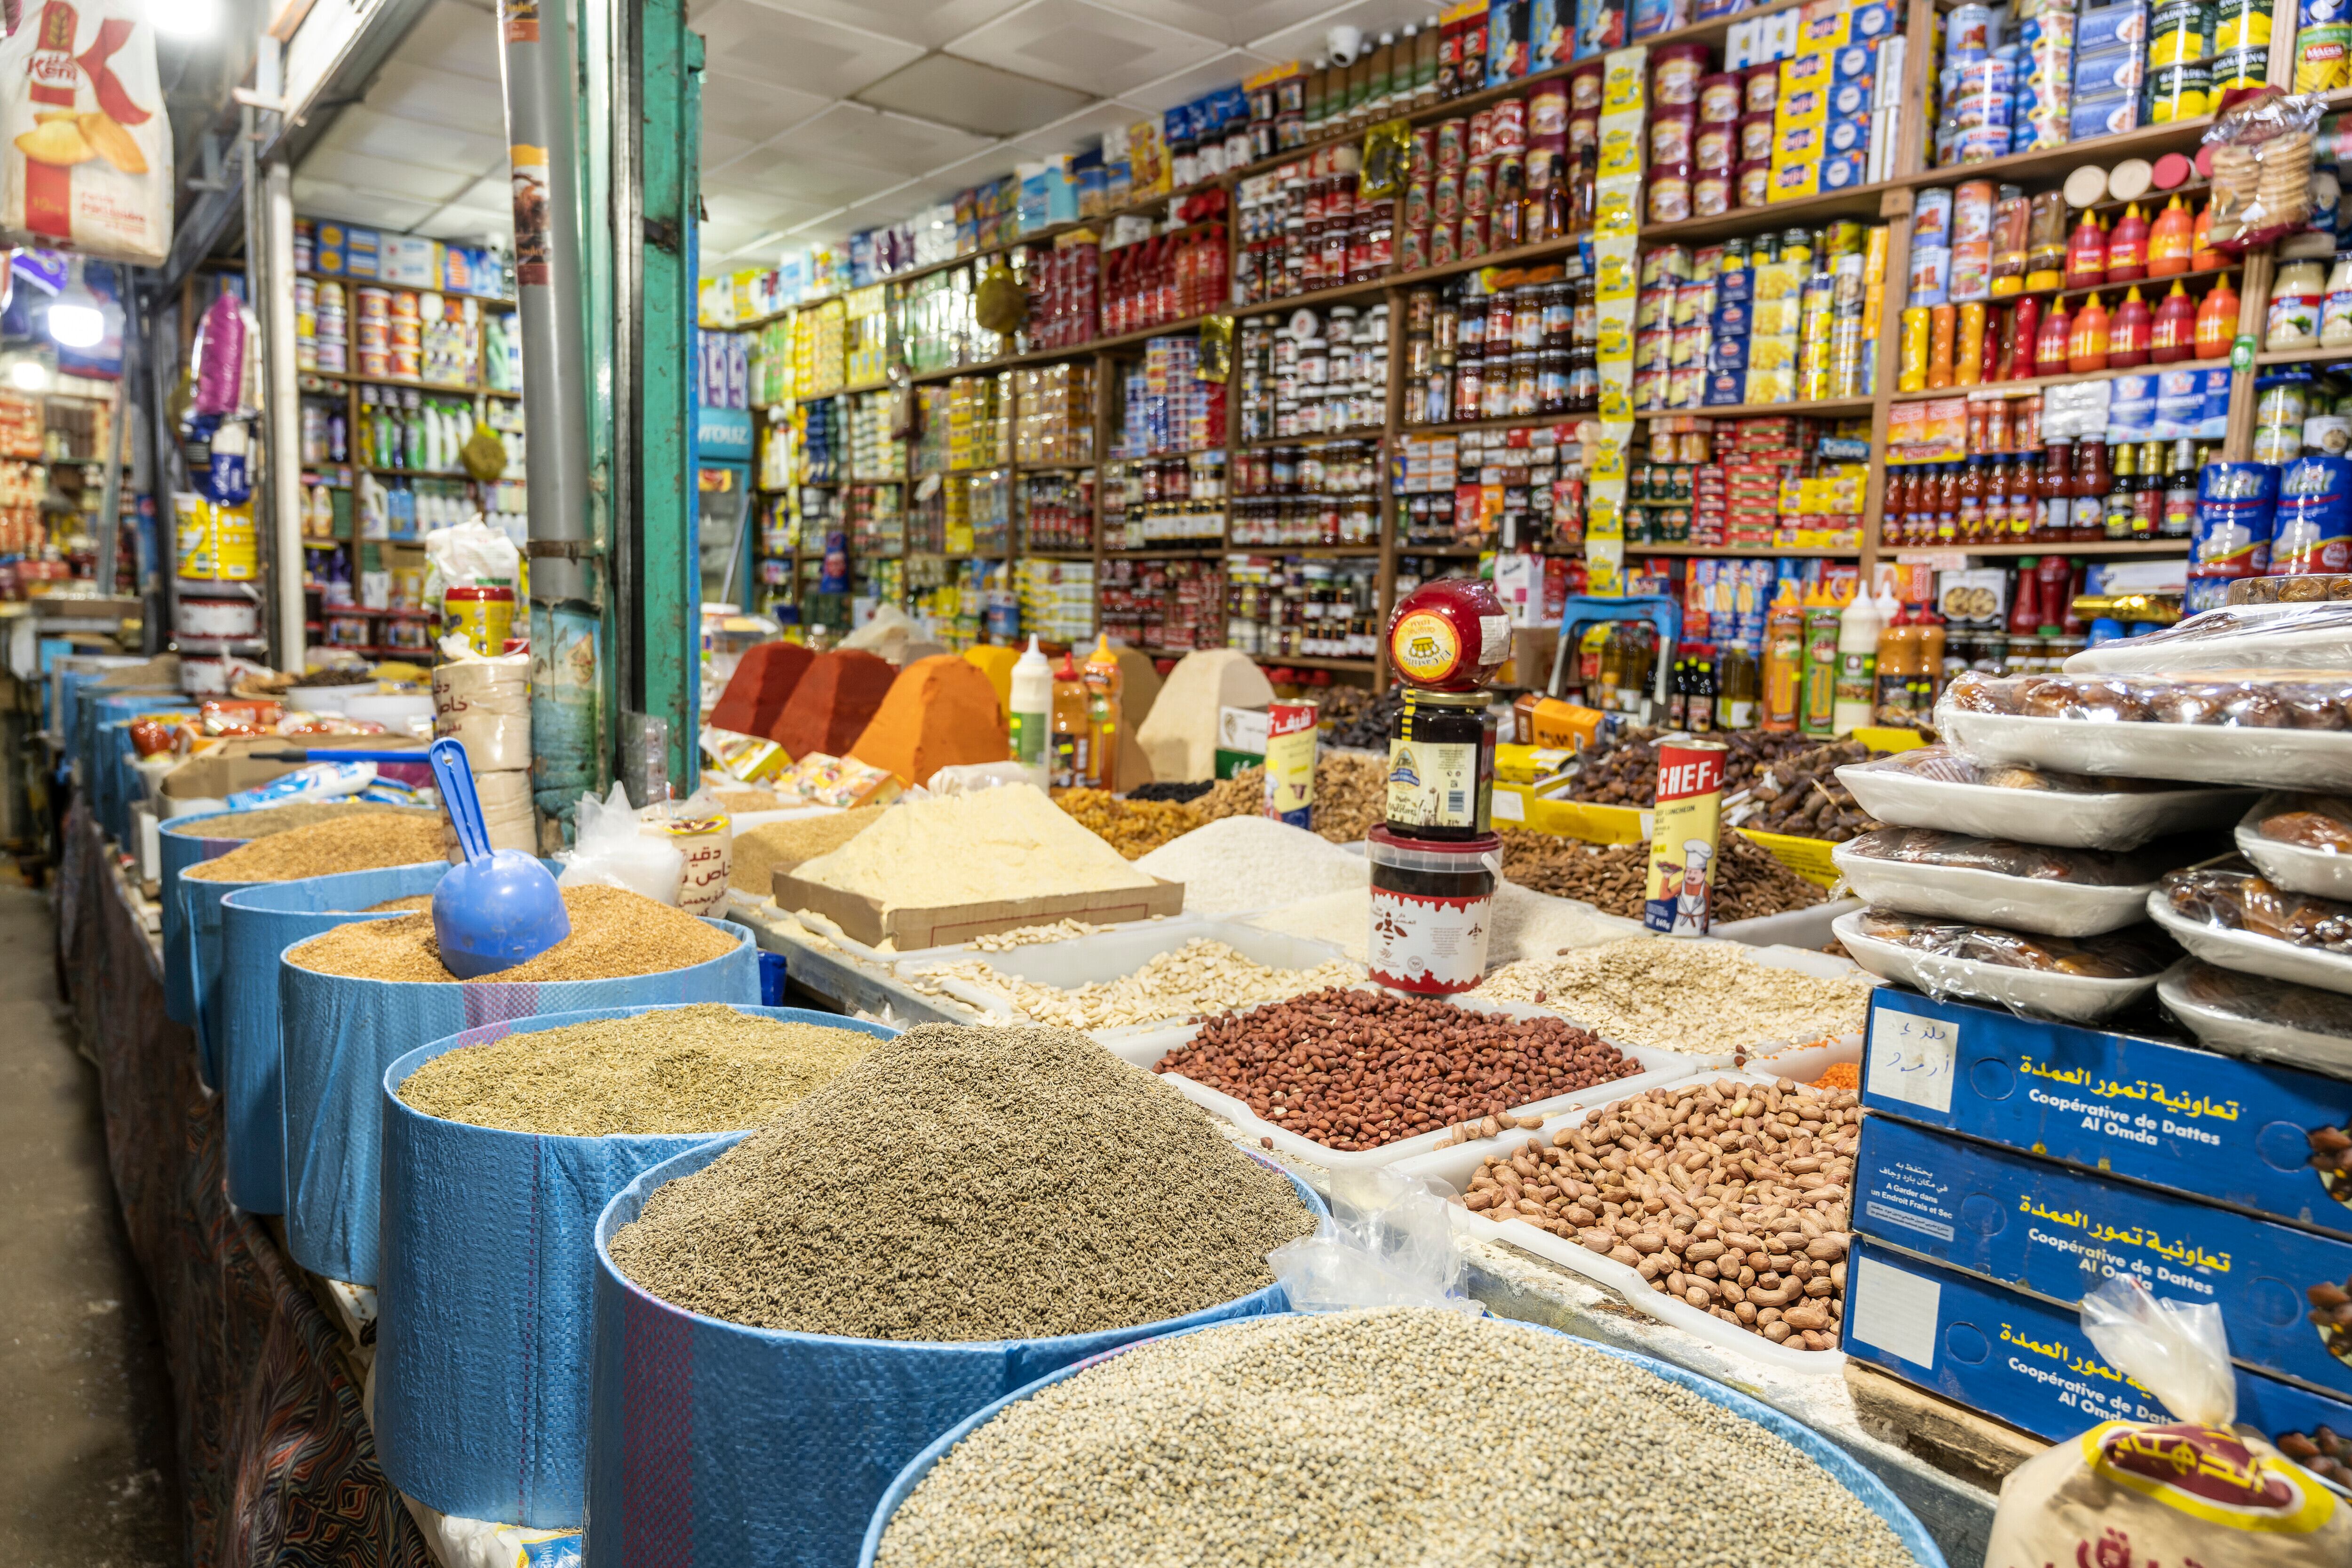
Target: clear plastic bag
(1389, 1243)
(2302, 842)
(2315, 635)
(612, 851)
(2233, 897)
(2037, 977)
(2029, 888)
(2249, 1016)
(2263, 158)
(2186, 727)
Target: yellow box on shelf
(1517, 805)
(1807, 858)
(1883, 738)
(1518, 764)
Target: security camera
(1343, 44)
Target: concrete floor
(88, 1478)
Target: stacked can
(1676, 71)
(2237, 506)
(2110, 68)
(2044, 93)
(2314, 528)
(1714, 147)
(2179, 66)
(1760, 98)
(2242, 46)
(1979, 88)
(1734, 318)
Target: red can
(1507, 126)
(1715, 148)
(1414, 253)
(1424, 151)
(1451, 137)
(1720, 102)
(1480, 141)
(1671, 133)
(1547, 112)
(1711, 193)
(1419, 204)
(1473, 236)
(1446, 196)
(1675, 72)
(1756, 138)
(1584, 85)
(1583, 131)
(1478, 187)
(1670, 192)
(1753, 180)
(1760, 86)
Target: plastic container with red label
(1432, 911)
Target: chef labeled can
(1687, 830)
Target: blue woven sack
(672, 1476)
(486, 1301)
(1843, 1466)
(258, 922)
(339, 1032)
(181, 843)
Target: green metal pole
(661, 573)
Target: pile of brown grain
(762, 851)
(350, 842)
(703, 1069)
(1351, 795)
(615, 932)
(401, 906)
(260, 823)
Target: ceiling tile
(725, 247)
(728, 202)
(1083, 46)
(1184, 86)
(328, 199)
(978, 98)
(823, 182)
(470, 225)
(752, 113)
(411, 141)
(1226, 21)
(776, 48)
(387, 174)
(929, 23)
(1077, 132)
(895, 144)
(456, 38)
(438, 97)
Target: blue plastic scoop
(498, 908)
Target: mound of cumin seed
(965, 1184)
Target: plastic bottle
(1818, 713)
(1698, 715)
(2127, 248)
(2217, 322)
(1103, 683)
(2087, 344)
(2169, 240)
(2172, 334)
(1784, 661)
(2086, 254)
(2202, 256)
(1858, 675)
(2050, 347)
(1737, 687)
(1032, 706)
(1927, 680)
(2128, 333)
(1073, 756)
(1891, 668)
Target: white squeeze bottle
(1032, 706)
(1857, 664)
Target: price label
(1912, 1058)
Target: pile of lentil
(970, 1184)
(1354, 1438)
(703, 1069)
(1705, 998)
(1749, 882)
(1731, 1196)
(1133, 827)
(1358, 1069)
(350, 840)
(1200, 977)
(615, 932)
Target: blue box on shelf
(2021, 1360)
(2237, 1133)
(2056, 1232)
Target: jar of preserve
(1432, 911)
(1442, 767)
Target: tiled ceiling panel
(1071, 41)
(776, 48)
(436, 97)
(1227, 21)
(929, 23)
(981, 98)
(868, 138)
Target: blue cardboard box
(1728, 353)
(2056, 1232)
(2021, 1360)
(2238, 1132)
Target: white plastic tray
(2297, 867)
(2039, 816)
(2315, 635)
(2077, 998)
(1992, 898)
(1144, 1047)
(1805, 961)
(1456, 1165)
(2243, 950)
(2203, 753)
(1107, 955)
(1804, 928)
(2234, 1035)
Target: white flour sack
(89, 146)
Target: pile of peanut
(1732, 1196)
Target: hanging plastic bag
(89, 163)
(1389, 1243)
(2192, 1491)
(611, 852)
(2263, 150)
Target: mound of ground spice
(615, 932)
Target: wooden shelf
(1166, 553)
(494, 301)
(1325, 552)
(1747, 552)
(1818, 408)
(1315, 661)
(2054, 163)
(2301, 356)
(2018, 388)
(409, 383)
(1509, 422)
(2089, 547)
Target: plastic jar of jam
(1432, 910)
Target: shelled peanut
(1732, 1196)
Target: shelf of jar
(1741, 551)
(1315, 299)
(1316, 661)
(495, 302)
(1815, 408)
(411, 383)
(1055, 554)
(2156, 547)
(1319, 438)
(2303, 356)
(1330, 551)
(1166, 551)
(1039, 465)
(2050, 162)
(1449, 552)
(2036, 383)
(1566, 421)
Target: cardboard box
(2050, 1231)
(2189, 1121)
(2021, 1360)
(908, 928)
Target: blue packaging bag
(182, 842)
(258, 922)
(487, 1302)
(671, 1476)
(339, 1032)
(1843, 1468)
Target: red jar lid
(1450, 635)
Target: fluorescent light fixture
(28, 375)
